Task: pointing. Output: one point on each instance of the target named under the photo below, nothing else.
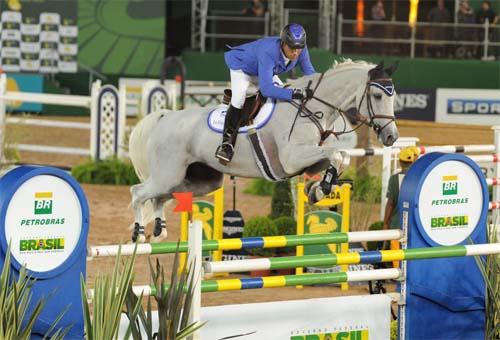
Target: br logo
(450, 185)
(43, 203)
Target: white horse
(174, 151)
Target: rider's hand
(304, 93)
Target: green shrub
(110, 171)
(366, 188)
(259, 227)
(282, 203)
(285, 225)
(260, 187)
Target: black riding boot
(232, 123)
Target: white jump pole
(195, 259)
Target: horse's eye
(377, 96)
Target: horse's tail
(138, 143)
(137, 151)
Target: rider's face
(291, 53)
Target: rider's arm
(268, 89)
(305, 63)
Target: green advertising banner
(38, 36)
(122, 37)
(321, 222)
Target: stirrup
(221, 157)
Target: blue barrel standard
(443, 202)
(44, 215)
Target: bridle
(303, 111)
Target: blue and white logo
(474, 106)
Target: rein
(304, 112)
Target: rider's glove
(304, 93)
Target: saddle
(251, 107)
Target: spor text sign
(468, 106)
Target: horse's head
(375, 103)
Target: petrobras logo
(474, 106)
(43, 203)
(410, 101)
(450, 185)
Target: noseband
(385, 84)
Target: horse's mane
(347, 63)
(344, 64)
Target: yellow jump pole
(218, 220)
(184, 237)
(346, 207)
(301, 199)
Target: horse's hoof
(315, 193)
(138, 236)
(141, 238)
(160, 237)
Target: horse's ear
(391, 69)
(376, 71)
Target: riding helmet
(294, 36)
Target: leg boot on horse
(232, 122)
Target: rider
(259, 62)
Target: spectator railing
(220, 30)
(398, 38)
(308, 18)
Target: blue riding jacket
(263, 58)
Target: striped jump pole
(351, 258)
(457, 148)
(281, 281)
(493, 205)
(247, 243)
(493, 181)
(485, 158)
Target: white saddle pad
(216, 117)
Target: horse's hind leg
(138, 234)
(158, 188)
(160, 226)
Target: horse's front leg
(307, 157)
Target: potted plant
(260, 227)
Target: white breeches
(240, 81)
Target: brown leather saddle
(251, 107)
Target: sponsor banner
(44, 217)
(468, 106)
(42, 21)
(415, 104)
(24, 83)
(353, 317)
(450, 214)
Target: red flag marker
(184, 201)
